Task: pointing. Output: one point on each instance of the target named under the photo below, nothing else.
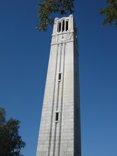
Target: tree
(110, 11)
(47, 7)
(10, 141)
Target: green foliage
(47, 7)
(110, 11)
(10, 141)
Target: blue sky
(24, 54)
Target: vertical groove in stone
(53, 102)
(57, 75)
(54, 145)
(61, 103)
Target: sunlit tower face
(59, 133)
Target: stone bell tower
(60, 133)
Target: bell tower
(60, 131)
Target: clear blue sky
(24, 54)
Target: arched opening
(66, 25)
(63, 25)
(59, 26)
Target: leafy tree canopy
(47, 7)
(10, 141)
(110, 11)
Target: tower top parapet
(63, 25)
(64, 30)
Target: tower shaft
(59, 133)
